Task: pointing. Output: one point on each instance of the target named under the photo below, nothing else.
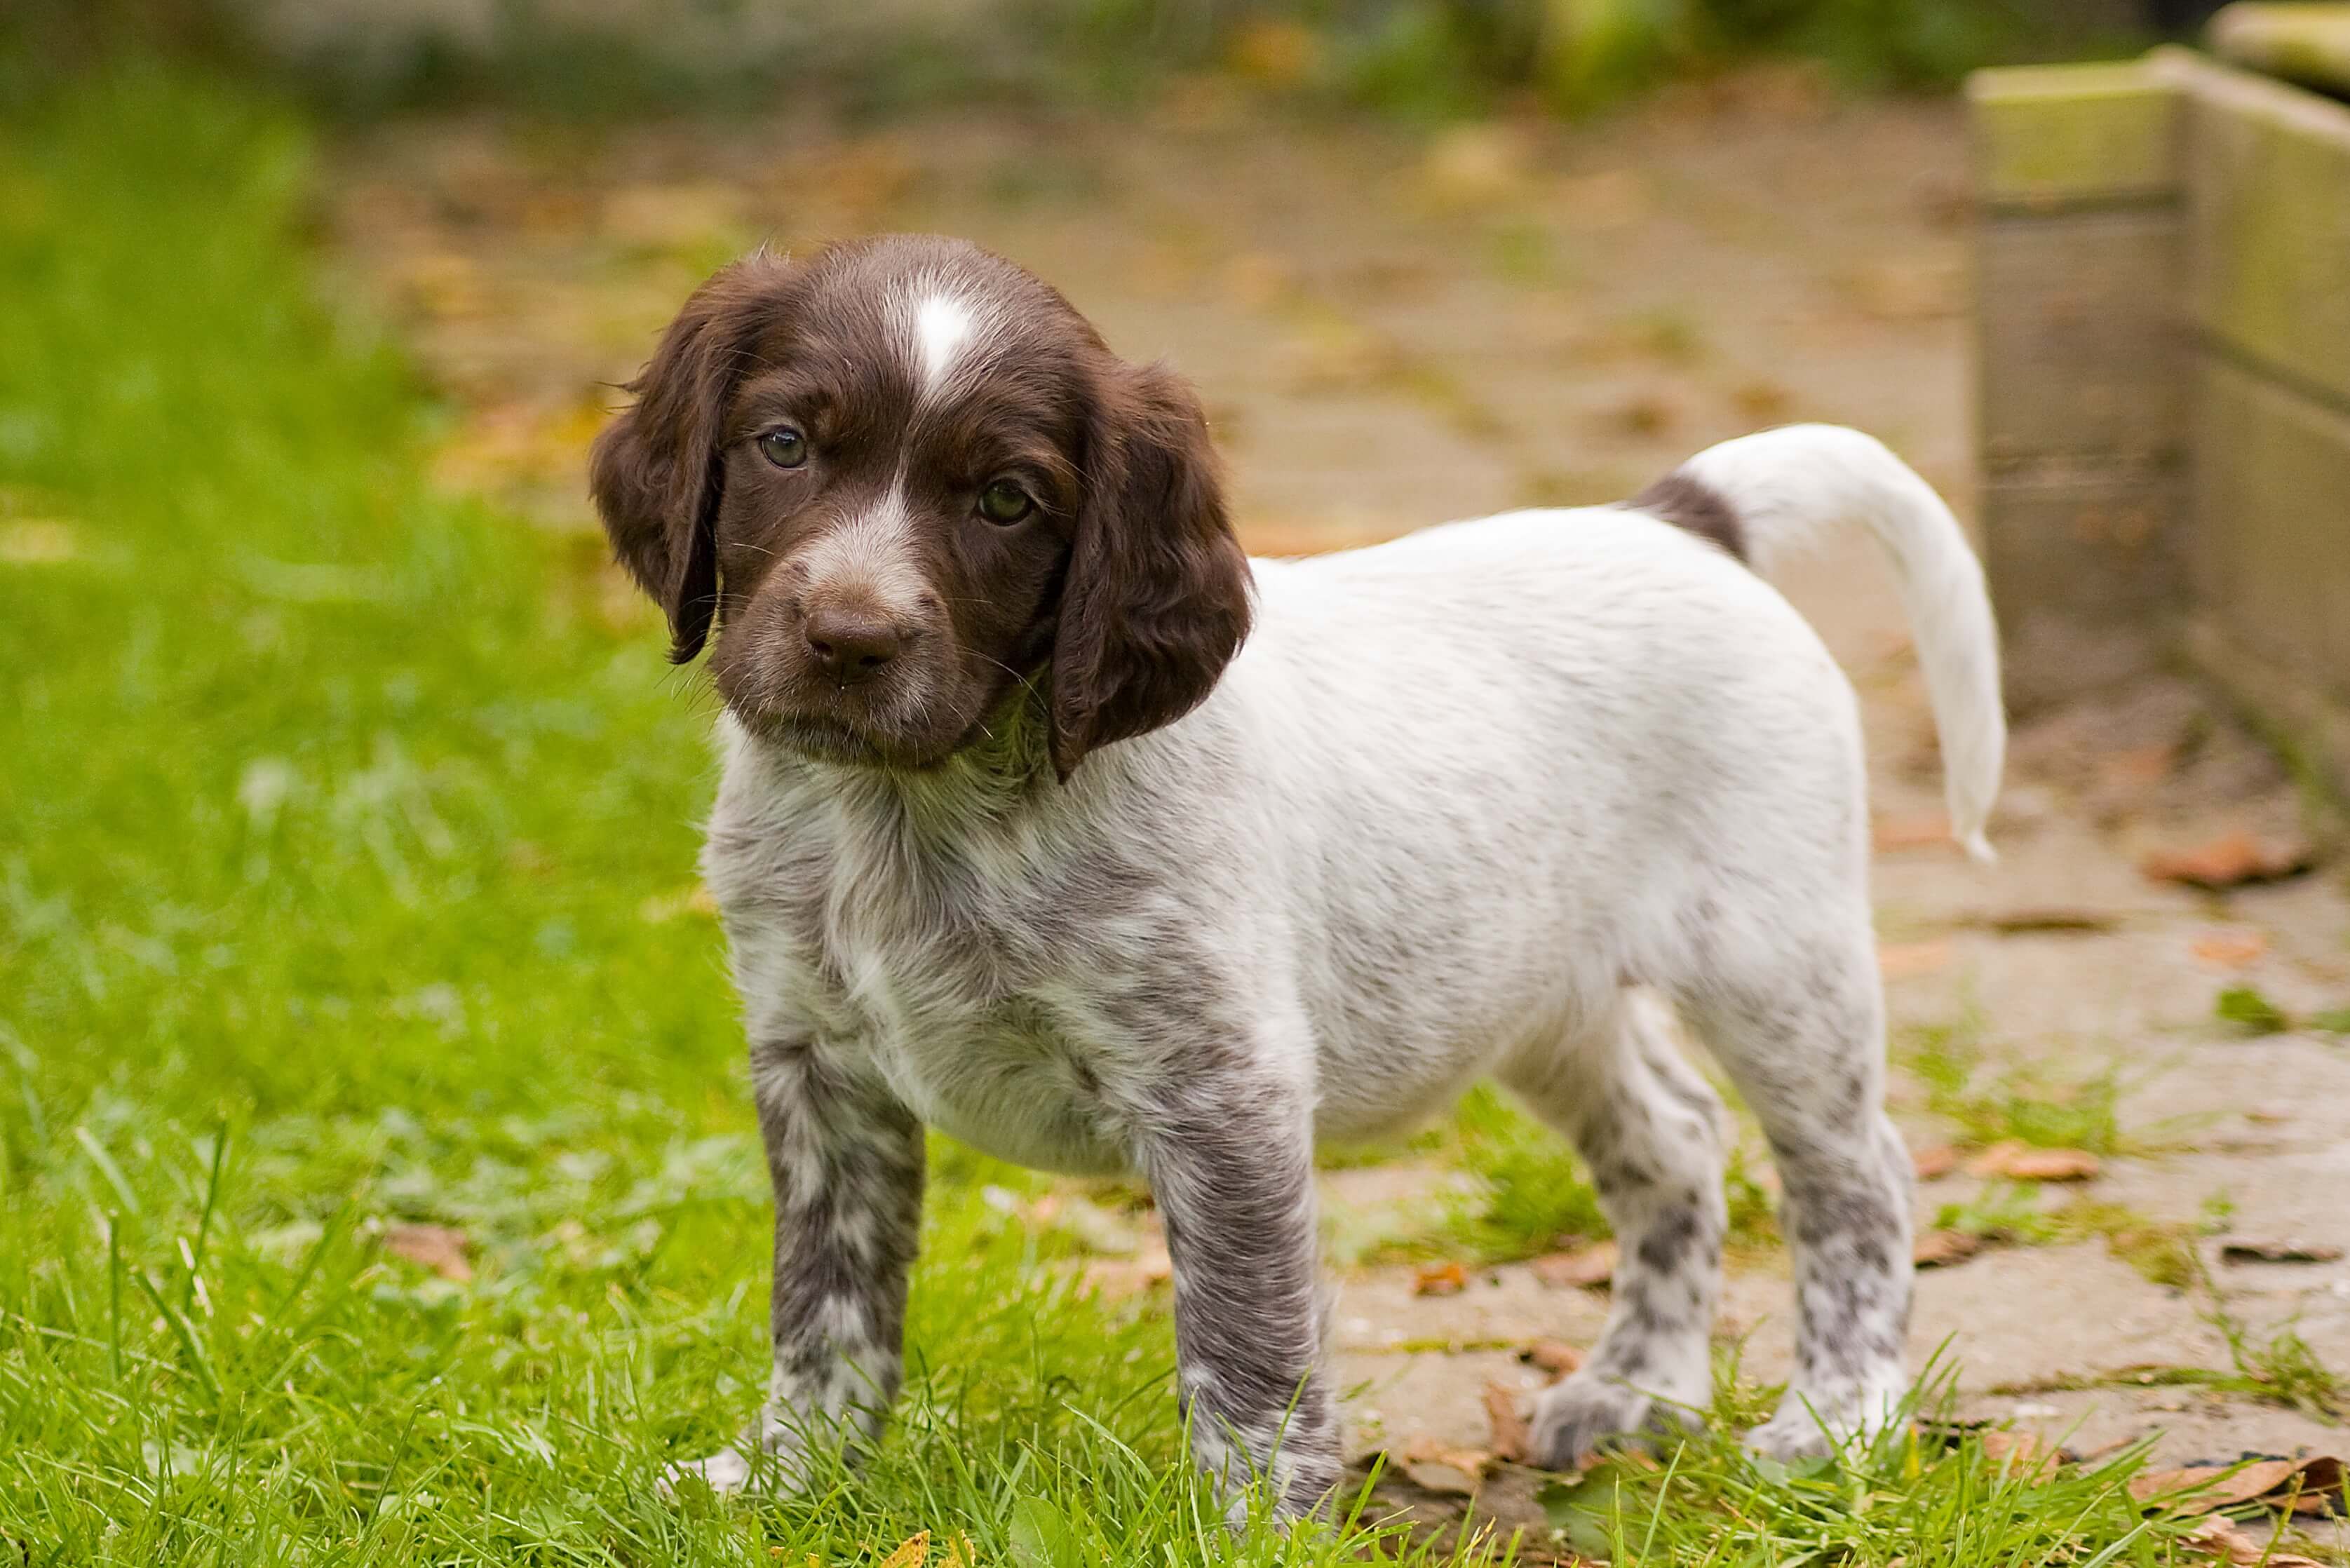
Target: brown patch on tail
(1690, 504)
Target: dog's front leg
(846, 1161)
(1233, 1171)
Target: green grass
(1910, 1498)
(2014, 1102)
(338, 889)
(341, 888)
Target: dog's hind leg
(1650, 1130)
(1795, 1014)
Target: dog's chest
(958, 974)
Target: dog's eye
(1004, 502)
(783, 446)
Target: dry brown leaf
(2279, 1251)
(1437, 1467)
(911, 1553)
(1934, 1161)
(2035, 922)
(1510, 1436)
(440, 1247)
(1926, 830)
(2224, 1538)
(2053, 1165)
(2205, 1488)
(1446, 1279)
(2230, 860)
(1554, 1356)
(1582, 1269)
(2022, 1453)
(2231, 949)
(1895, 960)
(1941, 1249)
(2019, 1161)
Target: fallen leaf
(2230, 860)
(440, 1247)
(2022, 1453)
(913, 1551)
(1585, 1268)
(2019, 1161)
(2231, 949)
(1895, 960)
(1934, 1161)
(2204, 1489)
(2279, 1252)
(1447, 1279)
(1926, 830)
(1510, 1437)
(2029, 922)
(1435, 1467)
(1554, 1356)
(2223, 1537)
(1941, 1249)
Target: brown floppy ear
(1156, 599)
(655, 473)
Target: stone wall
(2165, 419)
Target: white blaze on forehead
(942, 327)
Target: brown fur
(1689, 504)
(1125, 591)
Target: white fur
(943, 326)
(1791, 485)
(1456, 798)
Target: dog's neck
(1002, 772)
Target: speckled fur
(1501, 797)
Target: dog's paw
(1586, 1415)
(724, 1472)
(727, 1472)
(1811, 1426)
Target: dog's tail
(1765, 496)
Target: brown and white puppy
(902, 475)
(1019, 839)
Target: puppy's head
(900, 477)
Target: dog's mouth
(825, 739)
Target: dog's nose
(852, 645)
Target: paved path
(1391, 329)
